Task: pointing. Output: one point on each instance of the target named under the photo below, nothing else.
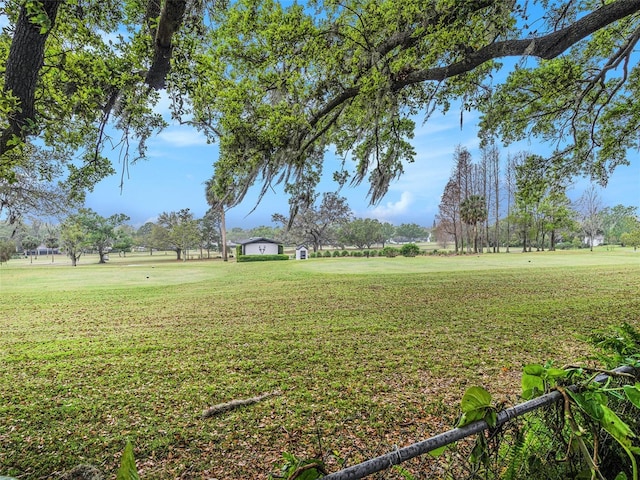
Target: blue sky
(180, 161)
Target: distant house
(597, 240)
(259, 246)
(302, 252)
(44, 250)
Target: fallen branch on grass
(233, 404)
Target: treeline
(492, 204)
(179, 231)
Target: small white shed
(302, 252)
(259, 246)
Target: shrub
(344, 253)
(336, 253)
(390, 252)
(327, 253)
(356, 253)
(410, 250)
(261, 258)
(373, 253)
(7, 250)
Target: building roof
(258, 240)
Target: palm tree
(473, 210)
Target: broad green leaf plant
(591, 405)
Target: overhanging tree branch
(545, 47)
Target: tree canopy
(277, 86)
(353, 76)
(318, 224)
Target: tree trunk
(171, 17)
(508, 233)
(26, 57)
(486, 240)
(223, 234)
(496, 236)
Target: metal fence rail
(401, 455)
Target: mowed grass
(365, 354)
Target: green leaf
(127, 470)
(438, 451)
(289, 458)
(556, 373)
(479, 452)
(472, 416)
(475, 403)
(491, 418)
(532, 386)
(616, 427)
(621, 476)
(311, 474)
(475, 398)
(590, 404)
(404, 473)
(534, 369)
(633, 394)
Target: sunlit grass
(367, 353)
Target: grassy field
(364, 354)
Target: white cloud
(182, 137)
(391, 210)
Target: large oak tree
(278, 85)
(77, 71)
(290, 83)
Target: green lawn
(366, 353)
